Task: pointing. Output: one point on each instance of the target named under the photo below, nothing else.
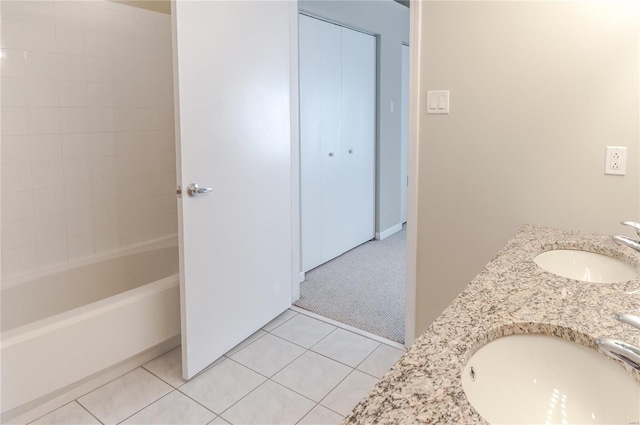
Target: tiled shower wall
(88, 158)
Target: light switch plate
(438, 102)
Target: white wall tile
(48, 201)
(79, 222)
(96, 44)
(103, 168)
(74, 120)
(98, 69)
(44, 120)
(15, 121)
(20, 234)
(101, 119)
(19, 261)
(71, 68)
(72, 73)
(99, 95)
(47, 174)
(105, 192)
(50, 227)
(41, 66)
(16, 178)
(11, 10)
(46, 147)
(39, 37)
(42, 93)
(77, 197)
(96, 18)
(13, 91)
(122, 71)
(17, 206)
(81, 246)
(103, 144)
(12, 64)
(70, 41)
(76, 146)
(69, 14)
(72, 94)
(107, 238)
(52, 253)
(39, 12)
(121, 21)
(76, 171)
(15, 150)
(11, 34)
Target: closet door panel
(330, 139)
(358, 136)
(310, 149)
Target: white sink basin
(586, 266)
(538, 379)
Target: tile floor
(295, 370)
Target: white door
(404, 134)
(232, 78)
(358, 137)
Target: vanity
(513, 295)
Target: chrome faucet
(619, 349)
(624, 240)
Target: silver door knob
(194, 190)
(330, 153)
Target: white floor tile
(350, 391)
(312, 375)
(381, 360)
(254, 337)
(288, 314)
(124, 396)
(346, 347)
(268, 355)
(320, 415)
(173, 409)
(218, 421)
(222, 385)
(69, 414)
(168, 367)
(303, 330)
(269, 404)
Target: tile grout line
(82, 407)
(140, 410)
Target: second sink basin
(538, 379)
(586, 266)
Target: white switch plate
(616, 160)
(438, 102)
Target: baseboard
(33, 410)
(301, 277)
(390, 231)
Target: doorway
(360, 283)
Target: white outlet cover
(616, 160)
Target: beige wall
(162, 6)
(538, 89)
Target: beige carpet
(364, 288)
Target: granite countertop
(511, 295)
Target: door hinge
(179, 191)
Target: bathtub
(65, 326)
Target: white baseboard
(37, 408)
(301, 277)
(390, 231)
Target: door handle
(194, 190)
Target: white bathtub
(64, 327)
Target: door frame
(412, 191)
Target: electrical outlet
(616, 160)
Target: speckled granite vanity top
(512, 295)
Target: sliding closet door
(330, 140)
(358, 136)
(310, 149)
